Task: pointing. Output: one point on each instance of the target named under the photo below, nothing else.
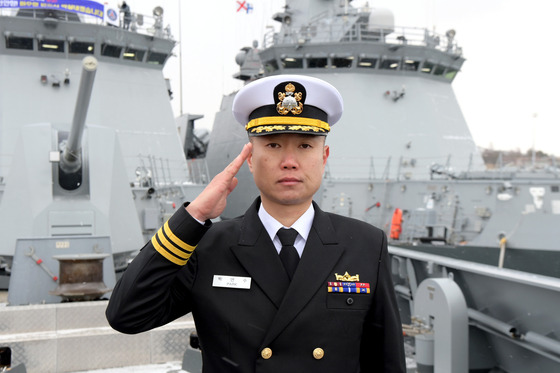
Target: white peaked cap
(288, 104)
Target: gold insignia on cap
(289, 101)
(347, 277)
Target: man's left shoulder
(345, 223)
(357, 229)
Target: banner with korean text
(90, 8)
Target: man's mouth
(289, 181)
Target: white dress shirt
(302, 226)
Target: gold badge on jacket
(347, 277)
(348, 284)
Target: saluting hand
(211, 202)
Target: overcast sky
(508, 88)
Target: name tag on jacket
(234, 282)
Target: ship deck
(171, 367)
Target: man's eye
(273, 145)
(306, 146)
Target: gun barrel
(71, 157)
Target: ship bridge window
(50, 45)
(111, 50)
(270, 66)
(342, 61)
(134, 54)
(317, 62)
(439, 70)
(15, 42)
(427, 68)
(450, 73)
(411, 64)
(390, 64)
(367, 62)
(81, 47)
(292, 62)
(156, 58)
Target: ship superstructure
(131, 171)
(402, 142)
(475, 253)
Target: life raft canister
(396, 224)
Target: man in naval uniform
(286, 287)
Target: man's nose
(289, 160)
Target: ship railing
(432, 168)
(532, 337)
(140, 23)
(402, 168)
(148, 170)
(152, 171)
(198, 170)
(363, 32)
(525, 163)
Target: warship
(91, 165)
(475, 255)
(412, 151)
(474, 259)
(90, 158)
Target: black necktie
(288, 253)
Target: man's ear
(250, 161)
(326, 152)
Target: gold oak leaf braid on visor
(288, 120)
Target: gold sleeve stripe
(176, 240)
(166, 254)
(288, 120)
(170, 247)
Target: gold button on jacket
(318, 353)
(266, 353)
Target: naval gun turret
(85, 169)
(72, 200)
(73, 217)
(70, 163)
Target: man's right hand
(212, 201)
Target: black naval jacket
(275, 325)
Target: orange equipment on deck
(396, 224)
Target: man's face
(288, 168)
